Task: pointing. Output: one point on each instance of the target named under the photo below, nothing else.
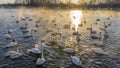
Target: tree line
(68, 3)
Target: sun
(76, 17)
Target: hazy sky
(6, 1)
(11, 1)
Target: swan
(69, 50)
(14, 54)
(99, 51)
(10, 31)
(95, 36)
(98, 43)
(10, 53)
(7, 36)
(35, 50)
(91, 30)
(12, 44)
(106, 35)
(76, 61)
(41, 61)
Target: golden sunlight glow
(76, 17)
(75, 1)
(21, 12)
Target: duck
(22, 28)
(106, 35)
(30, 19)
(10, 31)
(17, 21)
(25, 31)
(23, 19)
(28, 36)
(109, 24)
(85, 21)
(105, 26)
(108, 18)
(97, 19)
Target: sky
(11, 1)
(6, 1)
(72, 1)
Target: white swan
(69, 50)
(7, 36)
(10, 31)
(106, 35)
(14, 54)
(41, 61)
(98, 43)
(95, 36)
(12, 44)
(10, 53)
(35, 50)
(99, 51)
(91, 30)
(76, 61)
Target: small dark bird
(29, 36)
(22, 28)
(105, 26)
(25, 31)
(17, 21)
(106, 35)
(81, 25)
(108, 18)
(23, 19)
(74, 17)
(97, 19)
(109, 24)
(91, 30)
(12, 16)
(85, 21)
(37, 25)
(31, 19)
(96, 23)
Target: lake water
(48, 18)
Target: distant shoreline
(63, 8)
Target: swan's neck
(42, 51)
(91, 26)
(18, 50)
